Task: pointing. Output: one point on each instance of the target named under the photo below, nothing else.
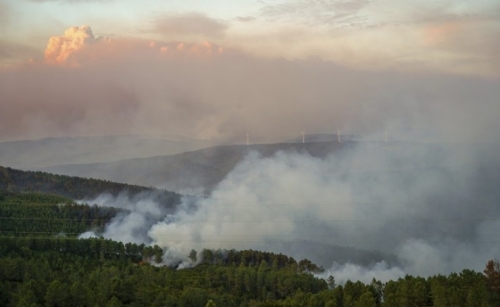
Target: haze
(424, 70)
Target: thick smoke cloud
(430, 209)
(97, 86)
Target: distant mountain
(28, 154)
(205, 168)
(322, 137)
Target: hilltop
(205, 168)
(29, 154)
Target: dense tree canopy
(12, 180)
(38, 271)
(36, 214)
(42, 263)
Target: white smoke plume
(348, 271)
(428, 208)
(141, 212)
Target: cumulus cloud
(78, 45)
(60, 48)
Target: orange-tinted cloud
(78, 45)
(61, 48)
(436, 34)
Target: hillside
(12, 180)
(205, 168)
(34, 193)
(27, 154)
(190, 170)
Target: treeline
(104, 249)
(99, 272)
(37, 214)
(252, 258)
(12, 180)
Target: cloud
(317, 12)
(352, 33)
(468, 34)
(78, 45)
(189, 25)
(60, 48)
(437, 34)
(92, 85)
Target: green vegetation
(42, 263)
(98, 272)
(12, 180)
(36, 214)
(42, 204)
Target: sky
(219, 70)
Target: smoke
(430, 209)
(380, 271)
(94, 85)
(140, 213)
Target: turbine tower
(338, 136)
(303, 137)
(248, 140)
(386, 136)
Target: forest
(43, 263)
(13, 180)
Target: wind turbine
(248, 139)
(338, 136)
(303, 137)
(386, 136)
